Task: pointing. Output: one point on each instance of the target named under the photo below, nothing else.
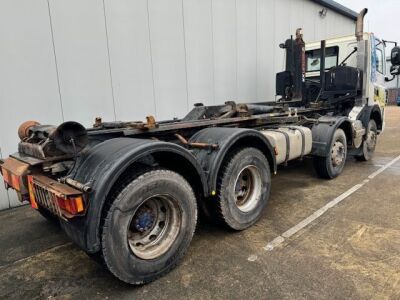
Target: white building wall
(119, 59)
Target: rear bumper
(60, 199)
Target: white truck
(128, 193)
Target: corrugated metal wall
(123, 59)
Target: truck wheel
(332, 165)
(244, 189)
(369, 144)
(149, 226)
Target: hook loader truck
(129, 193)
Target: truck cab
(345, 51)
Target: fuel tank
(289, 142)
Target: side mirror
(395, 57)
(395, 70)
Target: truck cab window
(313, 58)
(379, 60)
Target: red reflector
(15, 180)
(73, 205)
(6, 177)
(32, 197)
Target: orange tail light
(16, 182)
(32, 197)
(72, 205)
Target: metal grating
(46, 198)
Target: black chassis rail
(293, 115)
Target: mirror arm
(387, 79)
(390, 42)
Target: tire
(149, 227)
(369, 143)
(332, 166)
(48, 215)
(244, 189)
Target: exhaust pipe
(322, 66)
(360, 24)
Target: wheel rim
(371, 140)
(154, 226)
(247, 188)
(338, 154)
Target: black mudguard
(100, 167)
(323, 131)
(227, 140)
(371, 112)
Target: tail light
(60, 199)
(32, 198)
(73, 205)
(16, 182)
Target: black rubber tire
(117, 254)
(227, 211)
(48, 215)
(367, 151)
(324, 166)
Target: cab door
(378, 72)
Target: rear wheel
(332, 165)
(244, 189)
(369, 143)
(149, 227)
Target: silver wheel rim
(338, 154)
(247, 188)
(154, 226)
(371, 140)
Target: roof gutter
(343, 10)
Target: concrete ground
(351, 251)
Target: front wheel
(369, 143)
(332, 165)
(149, 227)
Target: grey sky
(382, 18)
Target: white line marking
(377, 165)
(384, 167)
(287, 234)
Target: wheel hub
(144, 220)
(338, 153)
(247, 188)
(371, 140)
(243, 187)
(154, 226)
